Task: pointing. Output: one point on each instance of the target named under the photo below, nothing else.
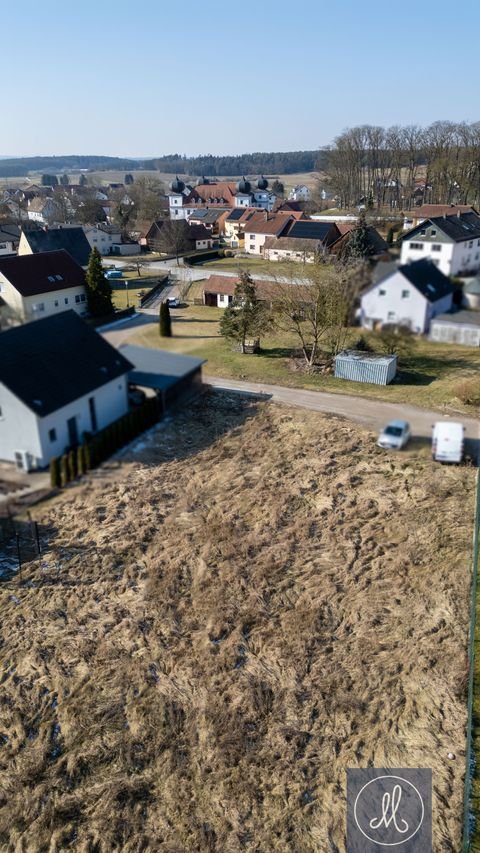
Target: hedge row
(97, 448)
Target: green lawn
(428, 376)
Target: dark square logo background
(393, 799)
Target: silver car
(395, 435)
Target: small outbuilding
(471, 293)
(462, 327)
(359, 366)
(171, 376)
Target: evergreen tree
(358, 244)
(278, 188)
(64, 180)
(64, 478)
(81, 461)
(247, 316)
(99, 294)
(82, 181)
(165, 321)
(128, 180)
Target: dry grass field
(244, 604)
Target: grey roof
(53, 362)
(73, 240)
(9, 233)
(425, 277)
(456, 228)
(464, 318)
(383, 269)
(360, 355)
(473, 286)
(155, 368)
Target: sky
(120, 78)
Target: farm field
(429, 376)
(230, 614)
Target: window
(59, 277)
(470, 245)
(382, 292)
(1, 413)
(433, 232)
(405, 294)
(93, 413)
(436, 247)
(51, 278)
(77, 298)
(416, 245)
(391, 315)
(252, 246)
(40, 306)
(66, 300)
(82, 297)
(52, 434)
(56, 303)
(423, 232)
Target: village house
(212, 219)
(59, 379)
(161, 237)
(452, 243)
(264, 225)
(43, 210)
(428, 211)
(305, 241)
(376, 248)
(37, 286)
(72, 239)
(108, 240)
(235, 224)
(9, 239)
(184, 199)
(300, 193)
(218, 290)
(409, 296)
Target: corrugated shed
(366, 367)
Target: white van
(447, 441)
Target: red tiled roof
(271, 223)
(427, 211)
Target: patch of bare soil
(254, 600)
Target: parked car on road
(173, 302)
(395, 435)
(448, 441)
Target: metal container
(360, 366)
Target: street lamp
(126, 287)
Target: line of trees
(399, 167)
(259, 163)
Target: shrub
(81, 462)
(468, 391)
(362, 345)
(64, 478)
(165, 322)
(72, 464)
(55, 477)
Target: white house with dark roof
(452, 243)
(37, 286)
(70, 238)
(409, 296)
(59, 379)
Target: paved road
(181, 273)
(371, 413)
